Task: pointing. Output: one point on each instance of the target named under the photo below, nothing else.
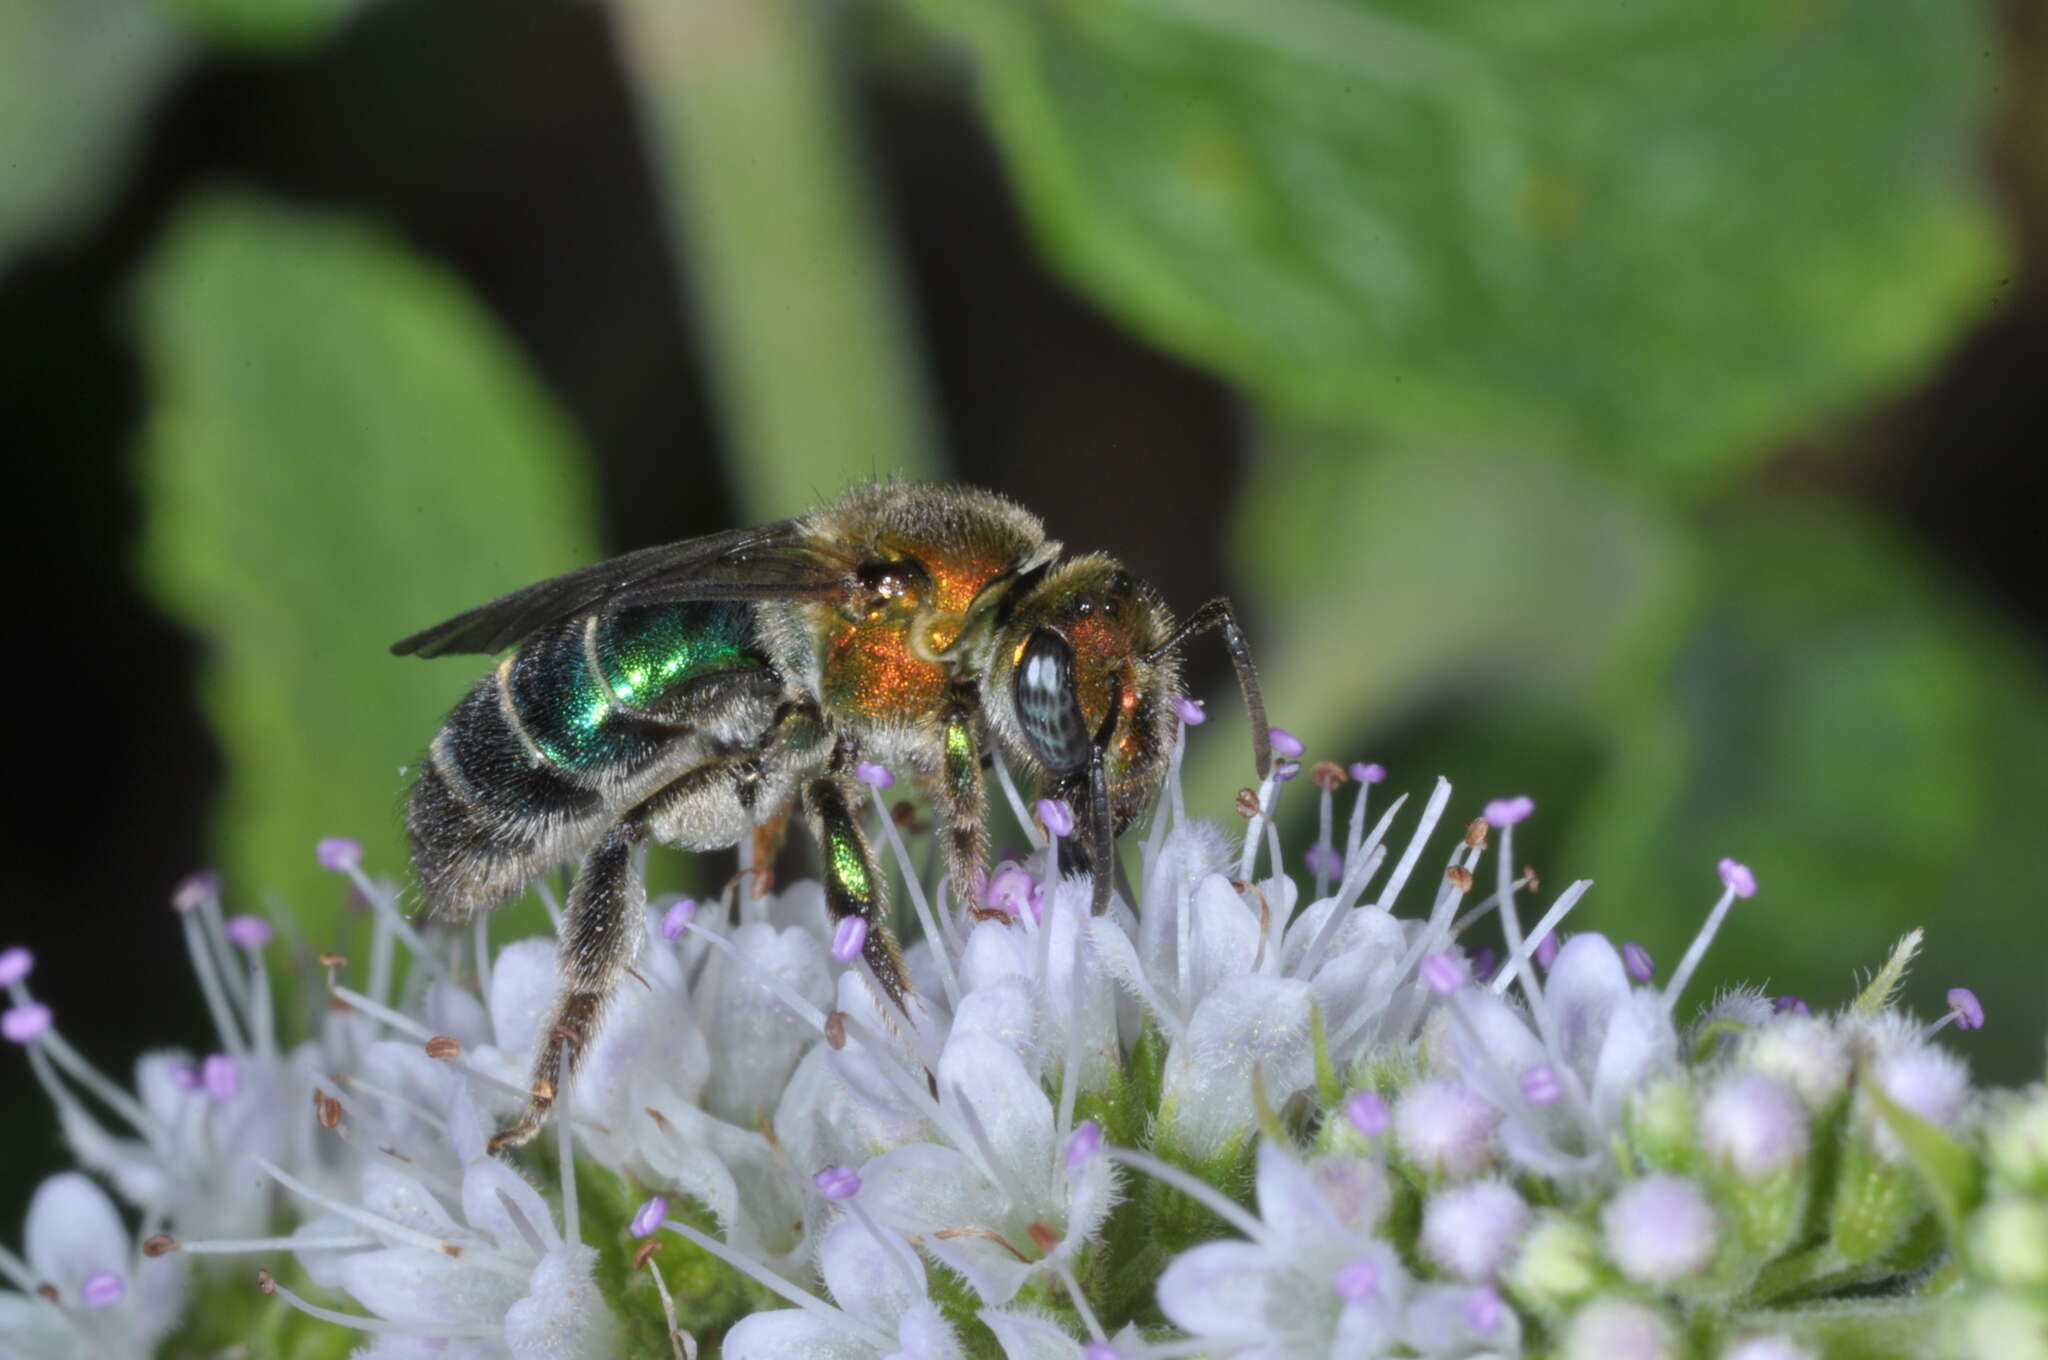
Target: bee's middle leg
(963, 798)
(853, 880)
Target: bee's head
(1081, 686)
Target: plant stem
(797, 303)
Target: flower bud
(2017, 1142)
(1472, 1230)
(1620, 1329)
(1661, 1117)
(1660, 1229)
(1769, 1347)
(2006, 1327)
(2010, 1238)
(1558, 1266)
(1756, 1134)
(1805, 1052)
(1444, 1128)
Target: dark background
(424, 116)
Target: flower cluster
(1243, 1113)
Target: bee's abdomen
(528, 767)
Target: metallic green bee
(691, 694)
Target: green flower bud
(2002, 1327)
(2017, 1142)
(1661, 1118)
(1558, 1266)
(2009, 1239)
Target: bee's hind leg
(600, 934)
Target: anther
(562, 1034)
(334, 960)
(835, 1030)
(1043, 1237)
(48, 1293)
(1460, 877)
(645, 1252)
(443, 1047)
(1247, 803)
(329, 1112)
(1327, 776)
(1475, 833)
(162, 1244)
(1529, 875)
(265, 1283)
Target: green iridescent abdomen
(593, 696)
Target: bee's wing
(769, 563)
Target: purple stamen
(677, 918)
(1967, 1009)
(339, 853)
(1367, 1112)
(1324, 861)
(1057, 816)
(196, 890)
(1483, 1310)
(1284, 770)
(1540, 1086)
(1368, 773)
(1508, 811)
(1546, 952)
(220, 1076)
(873, 775)
(15, 965)
(248, 932)
(1737, 878)
(1285, 743)
(101, 1289)
(647, 1221)
(849, 939)
(1083, 1143)
(1790, 1003)
(1637, 960)
(1355, 1282)
(185, 1077)
(25, 1022)
(1189, 711)
(837, 1182)
(1443, 973)
(1483, 962)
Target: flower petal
(1587, 981)
(1249, 1024)
(73, 1231)
(1223, 1290)
(793, 1334)
(871, 1279)
(411, 1284)
(1029, 1336)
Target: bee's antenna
(1217, 614)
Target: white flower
(446, 1245)
(1314, 1278)
(1001, 1200)
(85, 1288)
(883, 1308)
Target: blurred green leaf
(1840, 718)
(340, 449)
(261, 26)
(1394, 581)
(1667, 234)
(75, 76)
(1954, 1180)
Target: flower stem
(797, 304)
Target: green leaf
(1842, 719)
(262, 26)
(75, 76)
(340, 449)
(1666, 234)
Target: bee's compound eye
(1048, 710)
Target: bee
(694, 694)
